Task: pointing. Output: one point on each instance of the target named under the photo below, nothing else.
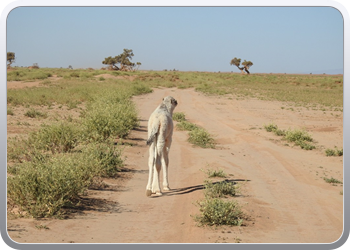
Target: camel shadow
(141, 129)
(190, 189)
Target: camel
(160, 131)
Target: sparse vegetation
(57, 162)
(212, 173)
(43, 187)
(299, 137)
(332, 180)
(314, 91)
(186, 126)
(110, 115)
(179, 117)
(334, 152)
(219, 189)
(10, 111)
(32, 113)
(216, 211)
(60, 137)
(107, 156)
(197, 135)
(53, 165)
(200, 137)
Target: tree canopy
(246, 64)
(124, 61)
(10, 58)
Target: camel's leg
(156, 171)
(151, 164)
(159, 161)
(165, 163)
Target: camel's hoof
(148, 192)
(166, 189)
(159, 193)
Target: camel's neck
(170, 108)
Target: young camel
(160, 131)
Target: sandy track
(285, 196)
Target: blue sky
(275, 39)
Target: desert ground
(282, 190)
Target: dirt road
(284, 196)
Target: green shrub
(46, 82)
(334, 152)
(339, 152)
(279, 132)
(40, 75)
(332, 180)
(21, 150)
(112, 114)
(14, 75)
(186, 126)
(42, 188)
(27, 74)
(297, 135)
(274, 128)
(10, 111)
(305, 145)
(107, 156)
(330, 152)
(59, 138)
(219, 189)
(32, 113)
(179, 117)
(74, 74)
(270, 127)
(16, 149)
(300, 138)
(212, 173)
(219, 212)
(140, 88)
(201, 138)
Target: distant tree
(111, 61)
(10, 58)
(70, 67)
(138, 65)
(124, 59)
(237, 61)
(246, 64)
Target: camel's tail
(153, 135)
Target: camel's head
(170, 102)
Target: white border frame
(10, 5)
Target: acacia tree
(10, 58)
(124, 59)
(138, 65)
(111, 61)
(246, 64)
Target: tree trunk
(241, 69)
